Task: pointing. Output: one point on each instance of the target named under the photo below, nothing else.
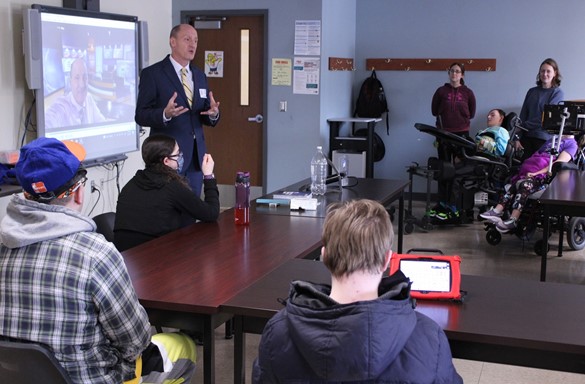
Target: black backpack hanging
(371, 101)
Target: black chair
(105, 225)
(25, 363)
(514, 125)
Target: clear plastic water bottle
(318, 172)
(242, 208)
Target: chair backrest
(512, 124)
(510, 121)
(25, 363)
(105, 225)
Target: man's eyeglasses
(47, 197)
(74, 188)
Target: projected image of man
(77, 107)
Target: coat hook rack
(389, 64)
(341, 64)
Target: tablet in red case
(433, 277)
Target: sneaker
(448, 216)
(435, 210)
(492, 215)
(506, 226)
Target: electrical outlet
(282, 106)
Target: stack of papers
(304, 204)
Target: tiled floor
(511, 258)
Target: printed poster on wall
(281, 71)
(308, 37)
(306, 75)
(214, 63)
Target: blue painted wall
(519, 34)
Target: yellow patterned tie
(188, 91)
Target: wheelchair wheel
(493, 237)
(408, 228)
(538, 247)
(576, 233)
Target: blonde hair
(357, 235)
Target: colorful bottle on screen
(242, 207)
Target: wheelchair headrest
(510, 121)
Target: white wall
(16, 98)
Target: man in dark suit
(178, 104)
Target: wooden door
(236, 143)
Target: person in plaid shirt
(64, 286)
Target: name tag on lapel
(203, 93)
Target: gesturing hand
(172, 109)
(213, 110)
(207, 164)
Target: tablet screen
(428, 275)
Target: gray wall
(518, 34)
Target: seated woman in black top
(158, 200)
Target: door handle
(256, 119)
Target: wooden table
(507, 321)
(182, 278)
(565, 196)
(383, 191)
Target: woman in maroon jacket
(454, 103)
(454, 106)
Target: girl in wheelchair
(494, 139)
(532, 177)
(488, 153)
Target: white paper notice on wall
(308, 37)
(281, 71)
(306, 72)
